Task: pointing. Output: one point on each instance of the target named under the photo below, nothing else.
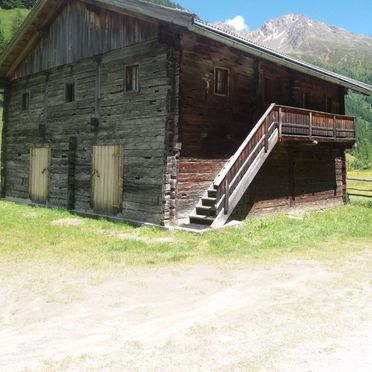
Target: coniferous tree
(2, 37)
(17, 21)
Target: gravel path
(291, 316)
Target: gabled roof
(45, 11)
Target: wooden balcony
(278, 123)
(300, 123)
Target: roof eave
(268, 54)
(175, 16)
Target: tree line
(11, 4)
(28, 4)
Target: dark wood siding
(213, 127)
(296, 175)
(82, 30)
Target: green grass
(31, 234)
(7, 17)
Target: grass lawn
(33, 233)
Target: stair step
(207, 211)
(208, 202)
(212, 193)
(201, 220)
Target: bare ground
(296, 315)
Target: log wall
(103, 113)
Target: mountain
(330, 47)
(310, 40)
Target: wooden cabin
(128, 109)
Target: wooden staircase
(223, 195)
(218, 202)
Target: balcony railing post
(280, 122)
(311, 124)
(334, 127)
(355, 128)
(227, 196)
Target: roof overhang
(247, 46)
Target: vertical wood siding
(296, 175)
(82, 31)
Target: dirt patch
(292, 316)
(148, 239)
(69, 221)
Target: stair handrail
(229, 177)
(221, 177)
(231, 162)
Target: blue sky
(355, 16)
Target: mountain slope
(308, 39)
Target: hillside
(10, 19)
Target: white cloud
(238, 22)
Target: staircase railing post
(227, 197)
(266, 135)
(280, 122)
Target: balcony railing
(277, 122)
(296, 122)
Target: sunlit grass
(32, 233)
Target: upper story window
(221, 81)
(132, 78)
(70, 92)
(26, 101)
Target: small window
(25, 101)
(221, 81)
(69, 92)
(132, 78)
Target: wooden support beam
(227, 197)
(4, 141)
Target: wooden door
(39, 174)
(107, 178)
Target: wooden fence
(359, 187)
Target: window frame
(26, 93)
(126, 68)
(70, 83)
(225, 69)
